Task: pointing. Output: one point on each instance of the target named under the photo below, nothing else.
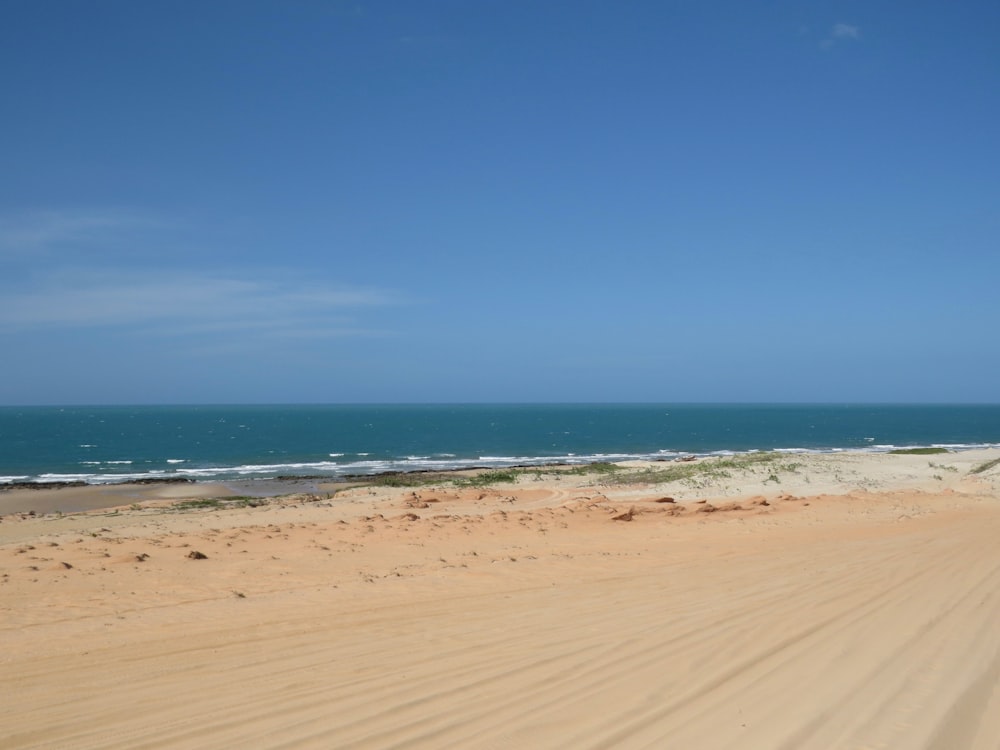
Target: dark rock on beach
(40, 485)
(80, 483)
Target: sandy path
(853, 621)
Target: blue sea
(223, 443)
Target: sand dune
(852, 602)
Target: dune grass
(215, 503)
(985, 466)
(708, 469)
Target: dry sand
(852, 601)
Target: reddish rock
(626, 516)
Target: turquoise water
(207, 443)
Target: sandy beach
(846, 600)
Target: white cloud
(86, 270)
(845, 31)
(37, 231)
(841, 32)
(170, 303)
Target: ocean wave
(64, 478)
(965, 446)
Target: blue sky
(324, 201)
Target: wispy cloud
(845, 31)
(184, 303)
(841, 32)
(42, 231)
(120, 272)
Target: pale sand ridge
(853, 602)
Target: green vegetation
(402, 479)
(201, 504)
(985, 466)
(695, 473)
(487, 478)
(699, 473)
(500, 476)
(248, 502)
(918, 451)
(600, 467)
(215, 503)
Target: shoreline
(331, 471)
(76, 497)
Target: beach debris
(141, 557)
(196, 555)
(665, 500)
(66, 565)
(705, 508)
